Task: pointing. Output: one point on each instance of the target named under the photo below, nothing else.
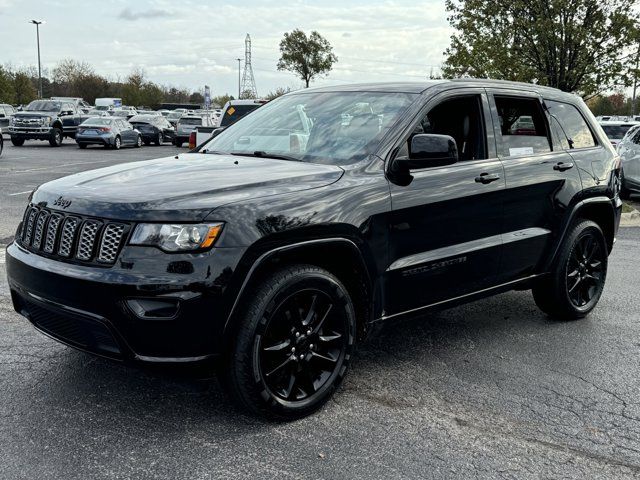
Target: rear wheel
(55, 139)
(293, 343)
(139, 142)
(17, 141)
(178, 143)
(158, 141)
(577, 279)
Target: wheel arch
(597, 209)
(340, 256)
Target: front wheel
(577, 279)
(117, 143)
(158, 140)
(55, 140)
(17, 141)
(139, 142)
(292, 344)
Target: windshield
(174, 115)
(190, 121)
(328, 127)
(616, 131)
(43, 106)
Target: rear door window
(574, 130)
(523, 126)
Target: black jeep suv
(276, 246)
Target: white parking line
(20, 193)
(58, 166)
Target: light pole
(239, 60)
(37, 23)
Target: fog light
(153, 309)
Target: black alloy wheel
(292, 343)
(577, 277)
(302, 345)
(585, 274)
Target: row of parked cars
(114, 127)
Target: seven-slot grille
(71, 237)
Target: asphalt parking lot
(489, 390)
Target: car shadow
(161, 401)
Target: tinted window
(236, 112)
(572, 124)
(523, 126)
(615, 132)
(190, 121)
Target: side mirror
(431, 150)
(425, 151)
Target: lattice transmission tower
(248, 89)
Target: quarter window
(572, 124)
(523, 126)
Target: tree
(278, 92)
(308, 57)
(25, 92)
(7, 89)
(196, 97)
(221, 100)
(574, 45)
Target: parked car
(187, 124)
(149, 112)
(1, 143)
(49, 120)
(629, 151)
(79, 102)
(173, 118)
(98, 113)
(273, 251)
(126, 114)
(108, 103)
(110, 132)
(234, 110)
(616, 130)
(153, 128)
(6, 112)
(164, 112)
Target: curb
(631, 219)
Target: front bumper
(30, 133)
(92, 308)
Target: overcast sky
(193, 43)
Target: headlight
(46, 121)
(175, 237)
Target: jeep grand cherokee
(275, 247)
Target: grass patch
(626, 208)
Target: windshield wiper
(263, 154)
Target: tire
(139, 142)
(55, 140)
(17, 141)
(267, 377)
(82, 145)
(117, 143)
(178, 143)
(578, 276)
(158, 141)
(1, 144)
(147, 142)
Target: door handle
(485, 178)
(562, 166)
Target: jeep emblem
(61, 202)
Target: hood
(35, 113)
(182, 188)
